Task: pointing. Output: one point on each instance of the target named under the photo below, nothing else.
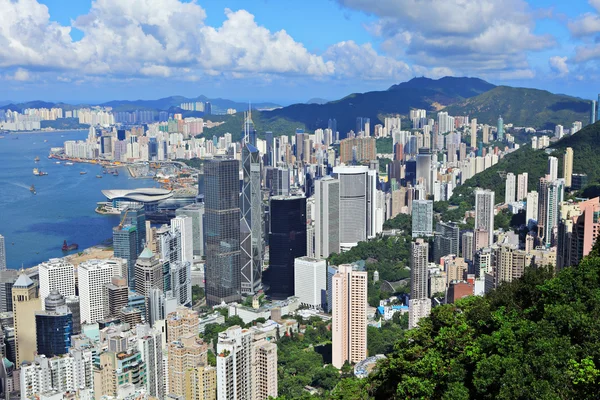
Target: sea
(35, 226)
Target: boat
(98, 176)
(45, 140)
(32, 189)
(36, 159)
(43, 173)
(82, 172)
(69, 247)
(36, 172)
(104, 171)
(58, 162)
(68, 163)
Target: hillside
(585, 145)
(534, 338)
(399, 99)
(523, 107)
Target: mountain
(37, 104)
(523, 107)
(532, 338)
(449, 85)
(585, 145)
(317, 100)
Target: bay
(34, 226)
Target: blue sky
(289, 51)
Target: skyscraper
(593, 112)
(446, 240)
(125, 246)
(185, 226)
(542, 202)
(53, 331)
(353, 204)
(2, 254)
(568, 166)
(196, 213)
(531, 213)
(310, 281)
(56, 274)
(25, 304)
(510, 188)
(222, 214)
(419, 305)
(327, 217)
(287, 241)
(522, 184)
(484, 213)
(234, 353)
(136, 215)
(93, 276)
(148, 273)
(349, 315)
(149, 343)
(556, 192)
(251, 229)
(552, 168)
(422, 218)
(474, 132)
(578, 231)
(500, 134)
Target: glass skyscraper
(287, 241)
(53, 331)
(222, 225)
(125, 246)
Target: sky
(288, 51)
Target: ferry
(69, 247)
(36, 172)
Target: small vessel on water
(69, 247)
(36, 159)
(82, 172)
(58, 162)
(38, 172)
(32, 189)
(98, 176)
(68, 163)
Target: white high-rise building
(327, 217)
(474, 132)
(510, 188)
(422, 218)
(264, 370)
(149, 343)
(553, 168)
(349, 315)
(484, 213)
(56, 274)
(234, 364)
(93, 275)
(353, 204)
(559, 131)
(418, 309)
(531, 214)
(2, 254)
(555, 195)
(522, 184)
(419, 274)
(185, 225)
(310, 281)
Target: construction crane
(124, 218)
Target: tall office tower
(424, 169)
(7, 278)
(422, 218)
(117, 295)
(552, 168)
(446, 240)
(500, 132)
(578, 231)
(522, 183)
(287, 241)
(25, 304)
(264, 369)
(196, 213)
(556, 193)
(310, 281)
(331, 271)
(349, 315)
(2, 254)
(251, 229)
(125, 246)
(593, 112)
(169, 244)
(56, 274)
(568, 166)
(531, 213)
(510, 188)
(136, 215)
(375, 207)
(185, 226)
(418, 269)
(327, 217)
(74, 306)
(542, 213)
(148, 273)
(186, 352)
(474, 133)
(484, 213)
(234, 353)
(222, 216)
(93, 277)
(149, 343)
(467, 245)
(281, 182)
(53, 331)
(353, 204)
(201, 383)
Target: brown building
(458, 290)
(185, 353)
(365, 148)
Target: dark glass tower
(287, 241)
(125, 245)
(53, 331)
(222, 224)
(136, 216)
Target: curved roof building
(143, 195)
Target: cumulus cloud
(586, 27)
(485, 37)
(559, 65)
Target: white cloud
(559, 65)
(485, 38)
(21, 75)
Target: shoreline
(41, 131)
